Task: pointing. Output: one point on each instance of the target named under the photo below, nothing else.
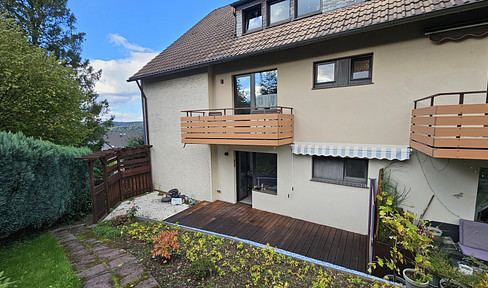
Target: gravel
(150, 206)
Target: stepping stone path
(99, 264)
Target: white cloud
(122, 41)
(113, 84)
(127, 117)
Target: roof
(213, 39)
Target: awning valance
(368, 151)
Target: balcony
(264, 126)
(451, 125)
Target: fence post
(150, 169)
(92, 191)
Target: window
(253, 20)
(256, 90)
(278, 11)
(308, 7)
(266, 171)
(344, 171)
(343, 72)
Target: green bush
(201, 268)
(40, 183)
(105, 229)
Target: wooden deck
(321, 242)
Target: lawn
(37, 261)
(193, 259)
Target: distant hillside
(127, 126)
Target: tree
(37, 95)
(50, 25)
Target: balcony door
(256, 90)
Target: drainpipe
(144, 113)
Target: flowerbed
(183, 258)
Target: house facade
(293, 106)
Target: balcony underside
(451, 131)
(246, 129)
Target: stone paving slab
(97, 265)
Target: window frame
(346, 180)
(257, 7)
(252, 91)
(343, 72)
(268, 13)
(307, 14)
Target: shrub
(201, 268)
(40, 182)
(105, 229)
(165, 244)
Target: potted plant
(411, 234)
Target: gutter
(391, 23)
(144, 113)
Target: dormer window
(253, 20)
(308, 7)
(279, 11)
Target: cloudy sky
(123, 35)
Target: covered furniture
(473, 239)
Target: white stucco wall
(173, 166)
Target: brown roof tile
(213, 38)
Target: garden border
(281, 251)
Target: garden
(177, 257)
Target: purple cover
(473, 238)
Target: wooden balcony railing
(443, 129)
(264, 126)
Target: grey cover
(473, 238)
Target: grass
(38, 261)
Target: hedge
(40, 183)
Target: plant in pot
(452, 276)
(396, 258)
(410, 233)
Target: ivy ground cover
(179, 258)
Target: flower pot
(410, 283)
(451, 284)
(398, 279)
(435, 281)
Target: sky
(123, 35)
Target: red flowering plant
(132, 211)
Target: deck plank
(313, 240)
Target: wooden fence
(126, 172)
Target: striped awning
(368, 151)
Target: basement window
(342, 171)
(253, 20)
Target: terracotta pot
(412, 284)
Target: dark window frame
(268, 13)
(252, 91)
(307, 14)
(343, 72)
(257, 7)
(346, 180)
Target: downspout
(144, 113)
